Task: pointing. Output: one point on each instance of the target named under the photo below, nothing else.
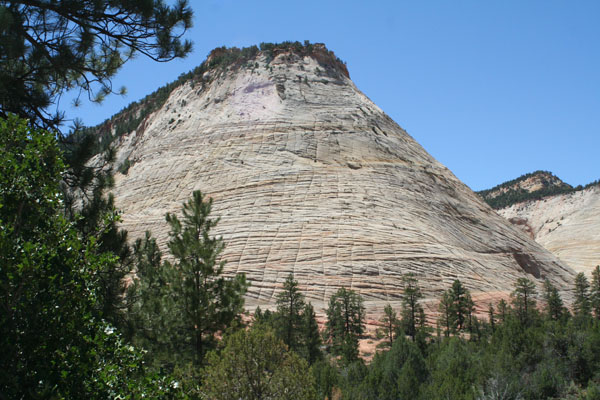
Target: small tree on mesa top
(209, 301)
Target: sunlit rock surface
(309, 176)
(568, 225)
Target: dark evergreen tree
(445, 309)
(523, 300)
(310, 336)
(491, 317)
(411, 309)
(208, 301)
(503, 310)
(554, 304)
(47, 48)
(595, 292)
(389, 325)
(153, 314)
(461, 305)
(345, 322)
(290, 303)
(581, 305)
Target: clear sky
(492, 89)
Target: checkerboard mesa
(309, 176)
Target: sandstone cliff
(568, 225)
(309, 176)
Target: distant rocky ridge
(532, 186)
(309, 176)
(565, 220)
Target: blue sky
(492, 89)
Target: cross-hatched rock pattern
(309, 176)
(568, 225)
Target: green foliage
(124, 167)
(255, 364)
(411, 309)
(582, 305)
(395, 374)
(523, 301)
(153, 314)
(454, 372)
(290, 304)
(445, 319)
(554, 305)
(389, 325)
(310, 336)
(50, 47)
(345, 323)
(508, 193)
(207, 301)
(53, 340)
(326, 377)
(456, 308)
(595, 292)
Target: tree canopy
(47, 47)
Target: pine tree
(153, 317)
(595, 292)
(491, 317)
(503, 310)
(389, 325)
(461, 305)
(310, 336)
(345, 322)
(208, 301)
(554, 303)
(445, 308)
(49, 47)
(523, 300)
(411, 309)
(290, 303)
(472, 321)
(582, 306)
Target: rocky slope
(568, 225)
(310, 177)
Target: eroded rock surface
(310, 177)
(568, 225)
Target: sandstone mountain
(566, 221)
(311, 177)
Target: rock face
(568, 225)
(309, 176)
